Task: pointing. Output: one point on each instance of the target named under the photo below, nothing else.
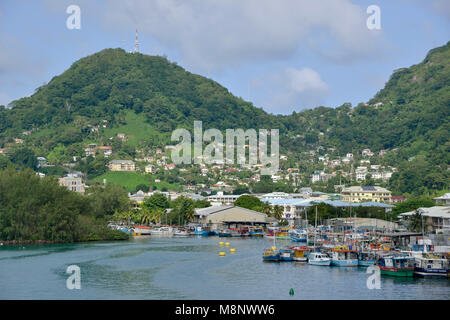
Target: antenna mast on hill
(136, 43)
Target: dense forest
(38, 209)
(409, 117)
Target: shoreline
(38, 242)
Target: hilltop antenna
(136, 43)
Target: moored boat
(300, 253)
(366, 258)
(286, 254)
(298, 235)
(282, 234)
(162, 231)
(319, 259)
(429, 265)
(396, 266)
(181, 233)
(344, 257)
(256, 232)
(271, 255)
(141, 230)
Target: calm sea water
(188, 268)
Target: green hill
(146, 97)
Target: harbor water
(189, 268)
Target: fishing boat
(238, 232)
(286, 254)
(224, 233)
(300, 253)
(271, 255)
(319, 259)
(181, 233)
(342, 256)
(282, 234)
(141, 230)
(366, 258)
(270, 234)
(397, 266)
(162, 231)
(201, 231)
(256, 232)
(429, 265)
(298, 235)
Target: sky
(281, 55)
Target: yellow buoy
(221, 243)
(274, 248)
(222, 254)
(227, 244)
(232, 250)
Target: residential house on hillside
(73, 182)
(122, 165)
(437, 219)
(445, 199)
(398, 199)
(149, 168)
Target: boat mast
(315, 229)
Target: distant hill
(147, 97)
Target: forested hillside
(409, 117)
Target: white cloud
(221, 33)
(293, 89)
(442, 7)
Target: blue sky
(284, 55)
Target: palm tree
(266, 208)
(156, 215)
(277, 212)
(415, 221)
(145, 216)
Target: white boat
(429, 265)
(181, 233)
(162, 231)
(319, 259)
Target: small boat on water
(429, 265)
(286, 254)
(256, 232)
(271, 255)
(342, 256)
(319, 259)
(300, 253)
(162, 231)
(141, 230)
(224, 233)
(238, 232)
(181, 233)
(366, 258)
(298, 235)
(397, 266)
(198, 231)
(270, 234)
(282, 234)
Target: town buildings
(368, 193)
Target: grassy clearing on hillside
(136, 129)
(132, 179)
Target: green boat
(396, 266)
